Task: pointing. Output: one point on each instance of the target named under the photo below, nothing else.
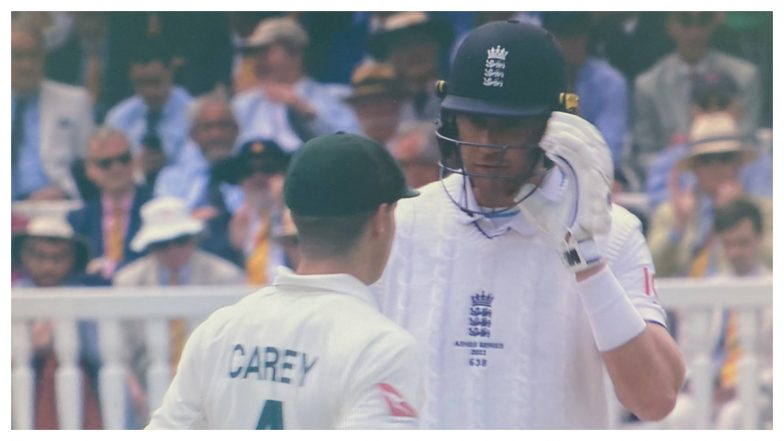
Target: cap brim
(471, 105)
(409, 193)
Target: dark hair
(149, 50)
(735, 212)
(326, 236)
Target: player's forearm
(647, 373)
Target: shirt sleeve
(631, 263)
(182, 406)
(386, 392)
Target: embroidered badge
(494, 67)
(480, 314)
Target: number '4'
(271, 416)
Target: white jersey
(308, 352)
(508, 343)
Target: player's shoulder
(624, 224)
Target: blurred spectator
(168, 236)
(713, 92)
(51, 255)
(242, 25)
(741, 231)
(50, 123)
(682, 239)
(413, 43)
(740, 228)
(194, 180)
(415, 148)
(602, 89)
(199, 42)
(287, 106)
(213, 134)
(632, 41)
(111, 218)
(258, 168)
(375, 99)
(154, 119)
(55, 26)
(749, 35)
(742, 237)
(87, 59)
(662, 93)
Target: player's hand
(582, 208)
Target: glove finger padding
(583, 208)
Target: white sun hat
(163, 219)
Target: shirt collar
(125, 204)
(338, 283)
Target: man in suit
(50, 123)
(662, 93)
(111, 218)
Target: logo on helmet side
(494, 67)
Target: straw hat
(715, 133)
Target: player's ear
(383, 219)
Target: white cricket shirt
(308, 352)
(508, 344)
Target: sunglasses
(697, 19)
(178, 241)
(106, 163)
(716, 158)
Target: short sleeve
(631, 263)
(386, 392)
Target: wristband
(613, 319)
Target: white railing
(694, 301)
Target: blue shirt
(130, 117)
(188, 180)
(604, 102)
(28, 175)
(260, 117)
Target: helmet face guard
(452, 163)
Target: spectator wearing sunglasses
(258, 169)
(110, 219)
(663, 93)
(682, 239)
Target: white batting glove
(583, 208)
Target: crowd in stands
(172, 132)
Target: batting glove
(583, 208)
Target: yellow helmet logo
(257, 147)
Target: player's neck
(352, 266)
